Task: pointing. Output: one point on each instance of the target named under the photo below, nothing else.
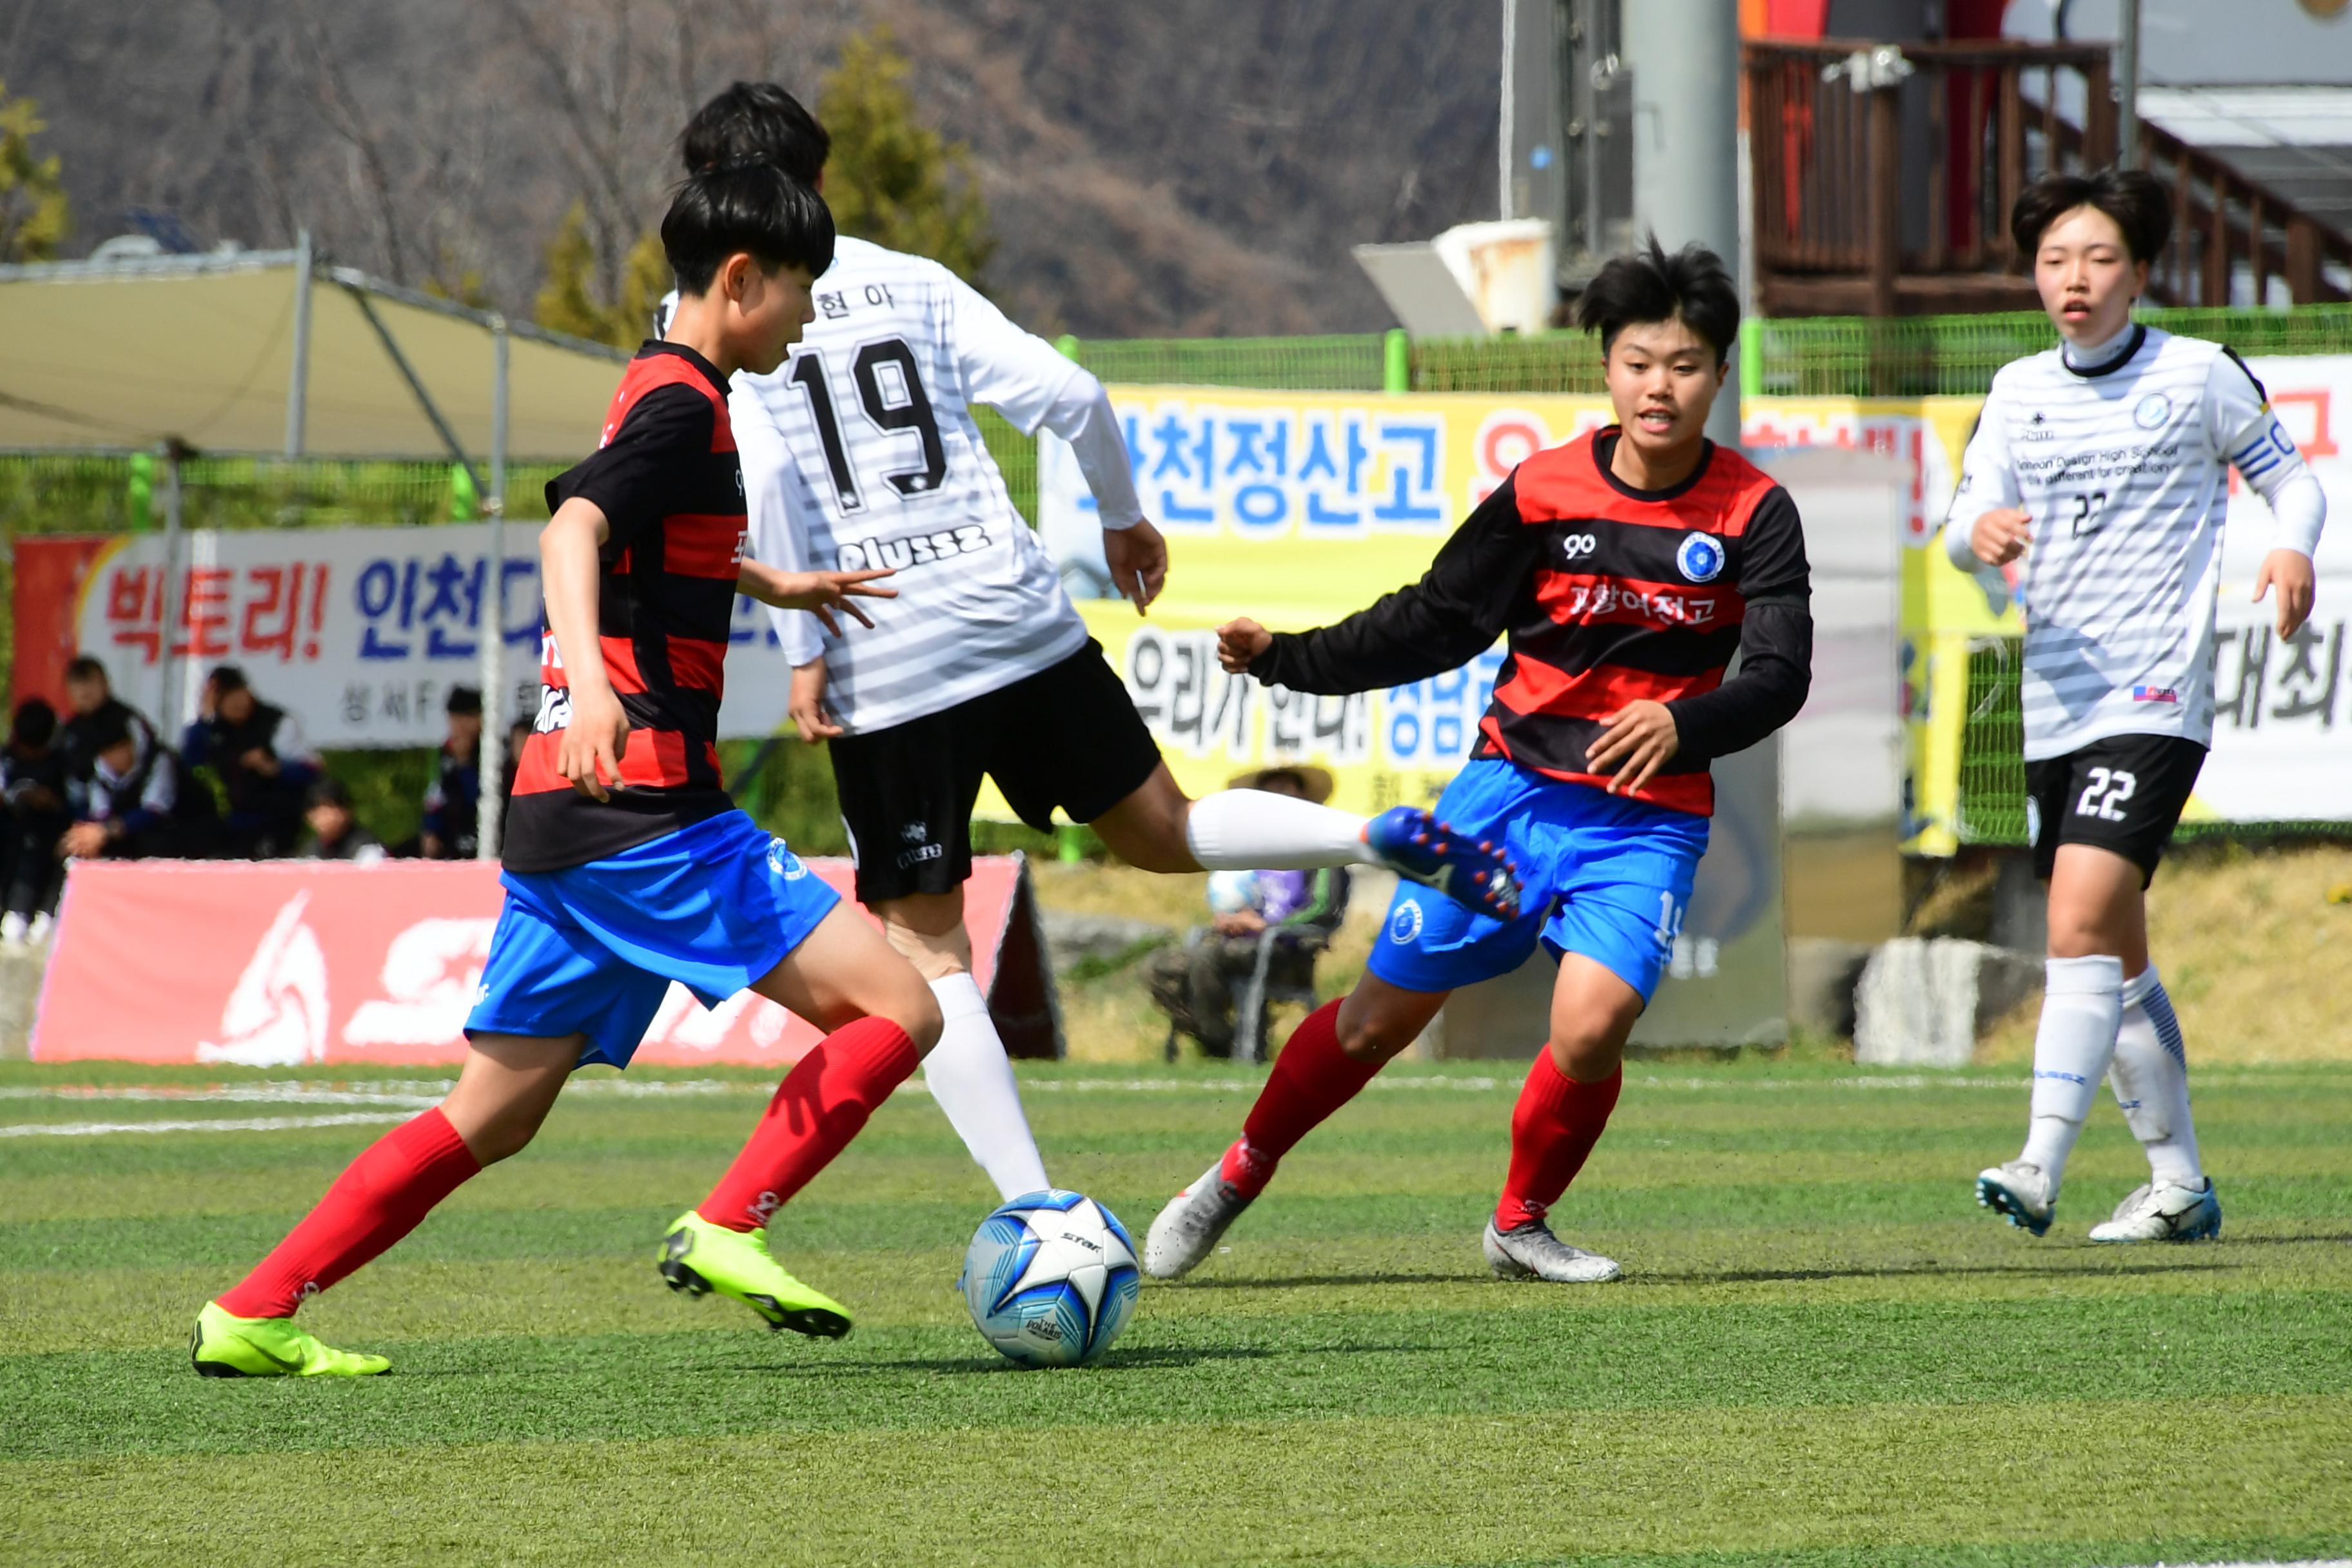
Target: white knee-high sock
(2082, 1004)
(968, 1074)
(2151, 1078)
(1258, 830)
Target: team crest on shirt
(1404, 923)
(1700, 557)
(2150, 412)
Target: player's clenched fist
(1239, 642)
(2001, 536)
(593, 743)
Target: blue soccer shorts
(1600, 875)
(592, 948)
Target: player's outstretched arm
(1451, 616)
(589, 755)
(819, 593)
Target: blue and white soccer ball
(1050, 1278)
(1231, 892)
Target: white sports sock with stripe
(1258, 830)
(2082, 1004)
(969, 1075)
(2151, 1078)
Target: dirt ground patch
(2256, 958)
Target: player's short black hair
(744, 206)
(756, 119)
(35, 723)
(465, 699)
(108, 727)
(2134, 198)
(85, 668)
(1653, 284)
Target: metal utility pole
(2128, 85)
(1684, 58)
(490, 758)
(1504, 165)
(298, 380)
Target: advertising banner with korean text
(283, 963)
(359, 632)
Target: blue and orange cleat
(1420, 848)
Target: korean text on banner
(360, 632)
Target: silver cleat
(2164, 1211)
(1531, 1251)
(1188, 1228)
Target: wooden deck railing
(1880, 163)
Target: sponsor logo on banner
(283, 964)
(276, 1015)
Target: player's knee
(1374, 1035)
(502, 1134)
(917, 1013)
(1587, 1055)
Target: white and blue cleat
(2020, 1193)
(2165, 1211)
(1474, 873)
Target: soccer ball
(1050, 1278)
(1230, 892)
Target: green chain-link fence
(121, 492)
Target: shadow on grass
(967, 1366)
(1311, 1282)
(2022, 1270)
(2227, 1240)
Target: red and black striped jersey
(1608, 595)
(667, 480)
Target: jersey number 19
(890, 393)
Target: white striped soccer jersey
(863, 451)
(2122, 465)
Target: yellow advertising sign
(1296, 509)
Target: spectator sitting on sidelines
(257, 751)
(33, 781)
(1195, 984)
(451, 828)
(129, 807)
(89, 696)
(335, 832)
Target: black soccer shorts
(1067, 736)
(2123, 793)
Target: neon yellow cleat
(225, 1345)
(698, 1257)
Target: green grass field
(1823, 1354)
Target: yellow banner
(1296, 509)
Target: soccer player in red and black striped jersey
(1626, 568)
(627, 867)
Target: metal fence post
(490, 755)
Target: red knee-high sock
(817, 1109)
(377, 1200)
(1311, 1079)
(1553, 1128)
